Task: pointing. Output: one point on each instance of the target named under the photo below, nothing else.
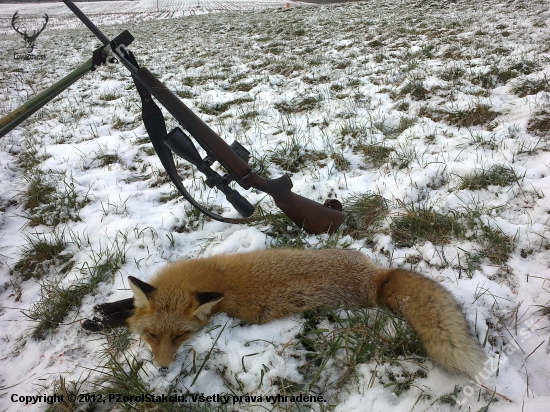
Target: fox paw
(94, 325)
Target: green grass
(39, 191)
(110, 95)
(340, 161)
(497, 245)
(353, 129)
(193, 220)
(281, 230)
(422, 223)
(292, 156)
(527, 86)
(354, 337)
(57, 299)
(452, 73)
(305, 103)
(54, 304)
(184, 93)
(366, 213)
(415, 88)
(158, 177)
(501, 74)
(478, 114)
(375, 154)
(104, 159)
(497, 175)
(539, 122)
(469, 263)
(31, 155)
(41, 254)
(54, 198)
(64, 391)
(354, 81)
(125, 375)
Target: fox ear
(207, 301)
(142, 292)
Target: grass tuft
(30, 157)
(479, 114)
(40, 254)
(497, 175)
(452, 73)
(416, 89)
(422, 223)
(52, 198)
(39, 190)
(216, 109)
(105, 159)
(340, 162)
(366, 213)
(292, 157)
(539, 123)
(126, 377)
(65, 393)
(376, 154)
(307, 103)
(353, 129)
(527, 87)
(497, 245)
(57, 300)
(54, 304)
(499, 75)
(283, 232)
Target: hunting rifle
(313, 217)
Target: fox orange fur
(265, 285)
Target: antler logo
(29, 39)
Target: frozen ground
(113, 12)
(437, 113)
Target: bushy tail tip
(436, 317)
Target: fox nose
(163, 370)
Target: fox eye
(181, 335)
(153, 335)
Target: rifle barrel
(206, 137)
(93, 28)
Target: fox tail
(435, 316)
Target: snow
(113, 12)
(124, 208)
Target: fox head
(165, 317)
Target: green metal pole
(13, 119)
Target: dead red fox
(261, 286)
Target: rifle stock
(313, 217)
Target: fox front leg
(112, 315)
